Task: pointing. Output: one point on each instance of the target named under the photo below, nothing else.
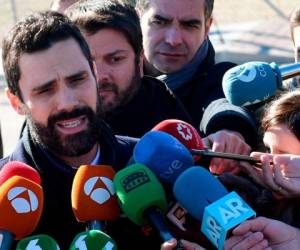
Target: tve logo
(99, 194)
(23, 200)
(222, 216)
(184, 131)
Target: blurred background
(243, 31)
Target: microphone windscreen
(182, 131)
(17, 168)
(138, 189)
(196, 188)
(38, 242)
(93, 194)
(21, 205)
(93, 240)
(163, 154)
(250, 83)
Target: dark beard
(70, 145)
(122, 98)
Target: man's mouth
(72, 126)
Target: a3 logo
(98, 194)
(20, 204)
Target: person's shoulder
(157, 87)
(3, 161)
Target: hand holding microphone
(207, 200)
(279, 173)
(270, 234)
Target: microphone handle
(290, 70)
(157, 220)
(212, 154)
(94, 225)
(7, 239)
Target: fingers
(254, 225)
(229, 142)
(169, 245)
(190, 245)
(249, 241)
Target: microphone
(190, 138)
(255, 82)
(21, 201)
(167, 157)
(93, 194)
(17, 168)
(22, 204)
(142, 197)
(218, 210)
(93, 239)
(38, 242)
(94, 200)
(164, 154)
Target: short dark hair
(284, 110)
(93, 15)
(294, 21)
(208, 7)
(37, 32)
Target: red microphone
(17, 168)
(93, 194)
(190, 137)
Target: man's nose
(66, 100)
(104, 73)
(173, 36)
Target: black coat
(205, 87)
(153, 103)
(57, 219)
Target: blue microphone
(163, 154)
(251, 83)
(205, 198)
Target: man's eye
(43, 91)
(158, 22)
(117, 59)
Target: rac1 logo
(21, 204)
(99, 195)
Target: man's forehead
(177, 8)
(63, 58)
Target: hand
(229, 142)
(251, 240)
(282, 177)
(171, 244)
(279, 235)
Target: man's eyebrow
(161, 18)
(191, 22)
(115, 52)
(43, 86)
(76, 75)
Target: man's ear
(208, 24)
(141, 63)
(15, 102)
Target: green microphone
(93, 240)
(142, 197)
(37, 242)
